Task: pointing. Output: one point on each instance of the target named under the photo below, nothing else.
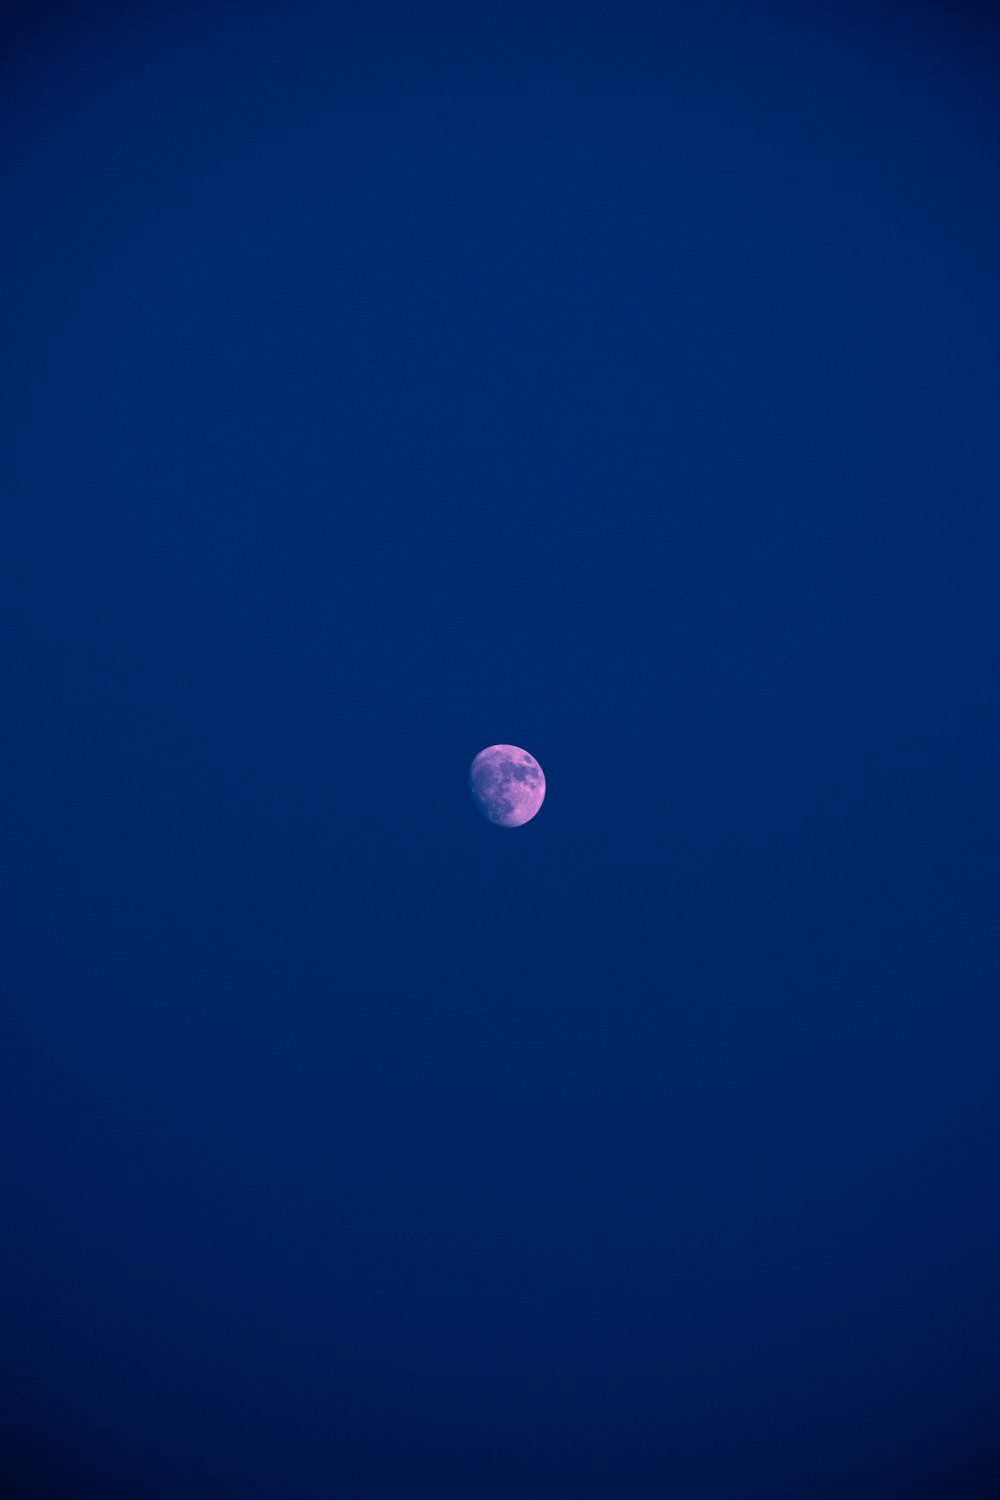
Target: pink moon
(507, 785)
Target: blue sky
(619, 383)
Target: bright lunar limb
(507, 785)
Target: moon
(507, 785)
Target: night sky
(377, 383)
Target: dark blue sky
(620, 381)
